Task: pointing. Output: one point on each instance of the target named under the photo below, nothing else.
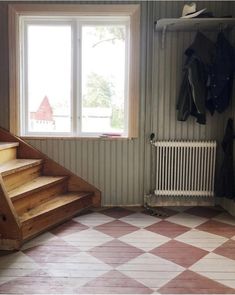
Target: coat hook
(164, 36)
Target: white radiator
(185, 168)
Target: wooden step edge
(18, 165)
(10, 244)
(16, 194)
(53, 204)
(34, 227)
(8, 145)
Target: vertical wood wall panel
(124, 169)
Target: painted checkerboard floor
(126, 251)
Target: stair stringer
(50, 167)
(10, 226)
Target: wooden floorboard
(189, 251)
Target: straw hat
(190, 10)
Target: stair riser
(32, 200)
(16, 179)
(7, 155)
(42, 223)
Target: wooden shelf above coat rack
(192, 24)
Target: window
(74, 76)
(76, 71)
(46, 97)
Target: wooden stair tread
(7, 145)
(17, 165)
(35, 185)
(54, 203)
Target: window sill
(107, 138)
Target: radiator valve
(152, 136)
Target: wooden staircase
(36, 193)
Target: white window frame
(115, 12)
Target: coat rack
(193, 24)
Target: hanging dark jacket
(221, 76)
(225, 184)
(193, 90)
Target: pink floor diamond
(68, 228)
(180, 253)
(208, 212)
(114, 282)
(227, 249)
(116, 228)
(115, 252)
(218, 228)
(167, 228)
(189, 282)
(116, 212)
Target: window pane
(49, 78)
(103, 78)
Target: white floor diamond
(216, 267)
(201, 239)
(150, 270)
(144, 239)
(43, 239)
(8, 278)
(16, 265)
(87, 239)
(93, 219)
(140, 220)
(82, 266)
(187, 219)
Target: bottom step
(53, 212)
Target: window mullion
(126, 86)
(74, 79)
